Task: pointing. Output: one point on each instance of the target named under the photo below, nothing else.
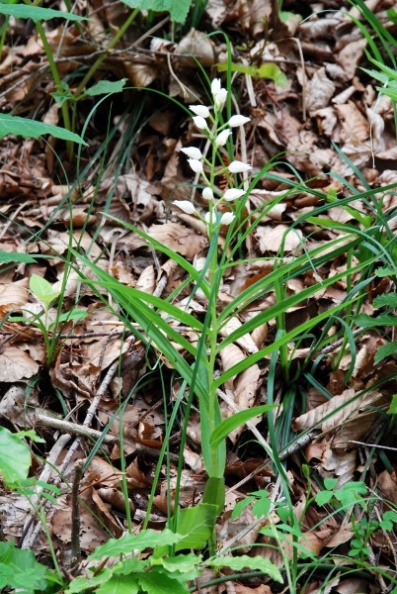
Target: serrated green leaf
(147, 539)
(17, 126)
(178, 9)
(228, 425)
(240, 506)
(366, 321)
(13, 258)
(386, 350)
(36, 13)
(20, 570)
(323, 497)
(388, 300)
(261, 508)
(104, 87)
(15, 458)
(244, 562)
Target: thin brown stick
(75, 537)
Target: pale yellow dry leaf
(245, 342)
(15, 294)
(15, 365)
(140, 75)
(195, 47)
(271, 238)
(147, 282)
(179, 238)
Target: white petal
(220, 99)
(222, 137)
(196, 165)
(233, 194)
(200, 110)
(208, 194)
(227, 218)
(238, 167)
(192, 152)
(200, 122)
(238, 120)
(215, 86)
(185, 206)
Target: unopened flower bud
(233, 194)
(222, 137)
(238, 120)
(210, 216)
(185, 206)
(208, 194)
(215, 86)
(239, 167)
(192, 152)
(196, 165)
(220, 99)
(227, 218)
(200, 110)
(200, 122)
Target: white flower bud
(192, 152)
(233, 194)
(220, 99)
(200, 123)
(227, 218)
(196, 165)
(222, 137)
(200, 110)
(185, 206)
(210, 216)
(208, 194)
(238, 167)
(238, 120)
(215, 86)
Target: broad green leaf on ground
(104, 87)
(120, 584)
(13, 258)
(31, 129)
(15, 457)
(147, 539)
(178, 9)
(157, 582)
(386, 350)
(196, 524)
(36, 13)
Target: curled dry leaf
(16, 365)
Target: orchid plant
(208, 168)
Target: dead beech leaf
(319, 91)
(15, 365)
(179, 238)
(271, 238)
(15, 295)
(195, 47)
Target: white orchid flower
(220, 99)
(207, 194)
(239, 167)
(200, 122)
(210, 217)
(238, 120)
(233, 194)
(200, 110)
(216, 86)
(227, 218)
(192, 152)
(222, 137)
(184, 205)
(195, 165)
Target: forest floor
(321, 142)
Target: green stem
(103, 57)
(57, 80)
